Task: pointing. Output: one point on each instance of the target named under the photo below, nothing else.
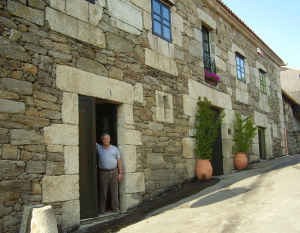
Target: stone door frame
(74, 82)
(219, 100)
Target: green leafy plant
(244, 131)
(207, 127)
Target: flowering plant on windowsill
(212, 76)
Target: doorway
(106, 123)
(95, 118)
(262, 143)
(217, 154)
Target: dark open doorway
(262, 143)
(106, 123)
(217, 154)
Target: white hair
(105, 135)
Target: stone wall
(51, 52)
(290, 122)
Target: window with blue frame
(91, 1)
(161, 20)
(240, 67)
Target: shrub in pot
(244, 131)
(206, 127)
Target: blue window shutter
(91, 1)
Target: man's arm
(120, 169)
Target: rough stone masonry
(54, 50)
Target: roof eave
(245, 30)
(289, 97)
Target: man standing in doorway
(110, 166)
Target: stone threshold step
(100, 218)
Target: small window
(91, 1)
(161, 20)
(209, 62)
(263, 85)
(206, 43)
(240, 67)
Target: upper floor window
(91, 1)
(263, 85)
(161, 20)
(240, 67)
(209, 62)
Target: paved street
(264, 198)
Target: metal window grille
(161, 20)
(209, 64)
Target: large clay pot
(204, 169)
(240, 161)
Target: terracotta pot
(204, 169)
(240, 161)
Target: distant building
(291, 122)
(290, 83)
(74, 69)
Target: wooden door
(262, 143)
(217, 154)
(87, 158)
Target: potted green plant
(206, 127)
(244, 131)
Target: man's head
(105, 139)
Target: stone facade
(290, 84)
(291, 122)
(54, 50)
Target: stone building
(290, 84)
(291, 121)
(73, 69)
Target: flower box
(211, 78)
(211, 81)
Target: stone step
(101, 218)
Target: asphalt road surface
(264, 198)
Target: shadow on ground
(140, 212)
(176, 196)
(219, 196)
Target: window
(91, 1)
(209, 63)
(263, 85)
(240, 67)
(206, 43)
(161, 20)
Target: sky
(276, 22)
